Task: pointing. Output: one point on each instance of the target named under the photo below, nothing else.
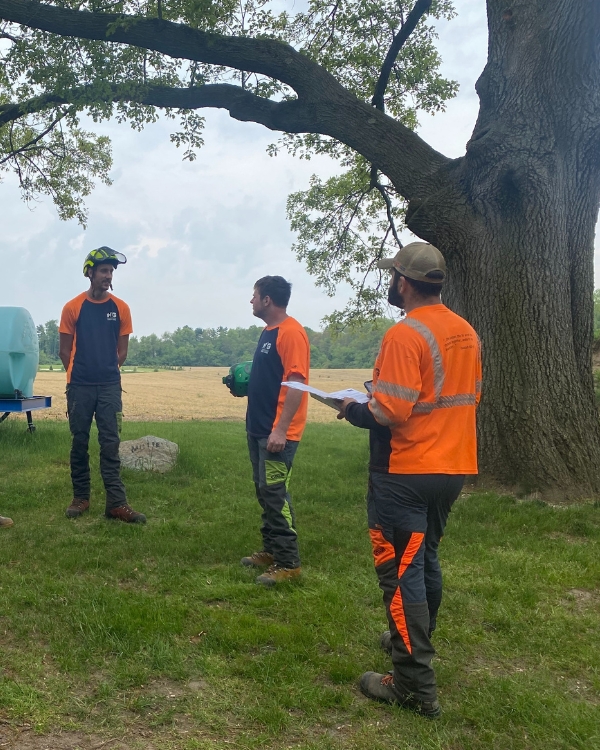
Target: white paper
(359, 396)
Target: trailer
(20, 404)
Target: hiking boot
(125, 513)
(386, 642)
(78, 507)
(380, 687)
(260, 559)
(5, 522)
(277, 574)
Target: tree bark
(521, 263)
(514, 217)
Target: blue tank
(19, 352)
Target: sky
(197, 235)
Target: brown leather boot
(276, 574)
(125, 513)
(5, 522)
(78, 507)
(260, 559)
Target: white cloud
(199, 234)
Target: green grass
(155, 634)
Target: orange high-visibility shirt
(426, 386)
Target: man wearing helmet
(94, 336)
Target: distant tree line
(222, 347)
(48, 339)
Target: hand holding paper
(330, 399)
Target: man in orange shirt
(421, 417)
(94, 336)
(275, 421)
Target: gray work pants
(104, 402)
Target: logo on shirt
(111, 316)
(266, 347)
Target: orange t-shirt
(426, 386)
(282, 350)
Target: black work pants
(104, 402)
(407, 515)
(271, 474)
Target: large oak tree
(514, 216)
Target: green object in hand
(237, 380)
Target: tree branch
(27, 146)
(420, 8)
(388, 203)
(323, 105)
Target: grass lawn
(121, 636)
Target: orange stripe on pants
(397, 605)
(383, 551)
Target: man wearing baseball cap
(94, 336)
(421, 417)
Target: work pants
(104, 402)
(407, 515)
(271, 474)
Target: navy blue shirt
(96, 327)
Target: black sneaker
(380, 687)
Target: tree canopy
(343, 223)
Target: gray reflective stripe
(397, 391)
(434, 350)
(445, 402)
(377, 412)
(478, 386)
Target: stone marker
(148, 453)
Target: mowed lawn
(154, 637)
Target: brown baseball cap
(419, 261)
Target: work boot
(380, 687)
(277, 574)
(125, 513)
(78, 507)
(386, 641)
(260, 559)
(5, 522)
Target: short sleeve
(69, 315)
(125, 318)
(294, 351)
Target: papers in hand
(331, 399)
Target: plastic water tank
(19, 352)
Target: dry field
(193, 393)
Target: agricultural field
(192, 393)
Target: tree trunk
(520, 253)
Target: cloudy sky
(197, 235)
